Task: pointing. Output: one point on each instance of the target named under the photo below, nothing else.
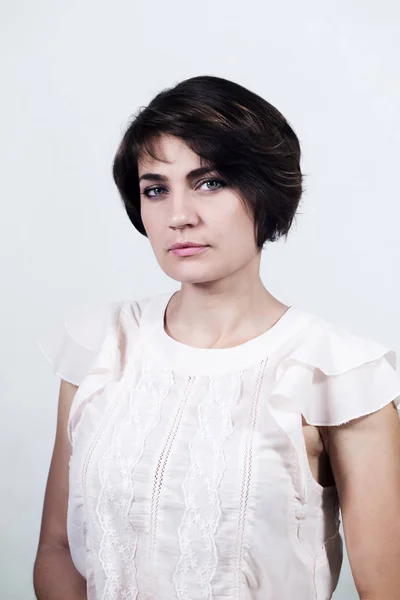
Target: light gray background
(72, 73)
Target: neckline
(194, 360)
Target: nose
(182, 212)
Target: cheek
(235, 223)
(152, 221)
(144, 213)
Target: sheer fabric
(189, 476)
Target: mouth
(188, 248)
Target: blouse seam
(244, 497)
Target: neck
(220, 314)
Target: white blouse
(189, 477)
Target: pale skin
(222, 303)
(55, 577)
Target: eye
(215, 184)
(147, 192)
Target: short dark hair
(231, 129)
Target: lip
(188, 248)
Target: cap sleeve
(72, 344)
(336, 376)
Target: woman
(212, 434)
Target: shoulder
(333, 348)
(72, 343)
(334, 375)
(91, 326)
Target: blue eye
(219, 183)
(154, 189)
(158, 191)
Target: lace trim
(116, 469)
(157, 487)
(247, 472)
(196, 532)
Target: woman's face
(179, 206)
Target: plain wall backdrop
(72, 74)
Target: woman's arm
(365, 459)
(55, 577)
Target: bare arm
(55, 577)
(365, 458)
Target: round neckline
(192, 359)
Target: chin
(192, 275)
(193, 279)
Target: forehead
(170, 153)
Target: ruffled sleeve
(334, 376)
(72, 345)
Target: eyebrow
(163, 178)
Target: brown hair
(231, 129)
